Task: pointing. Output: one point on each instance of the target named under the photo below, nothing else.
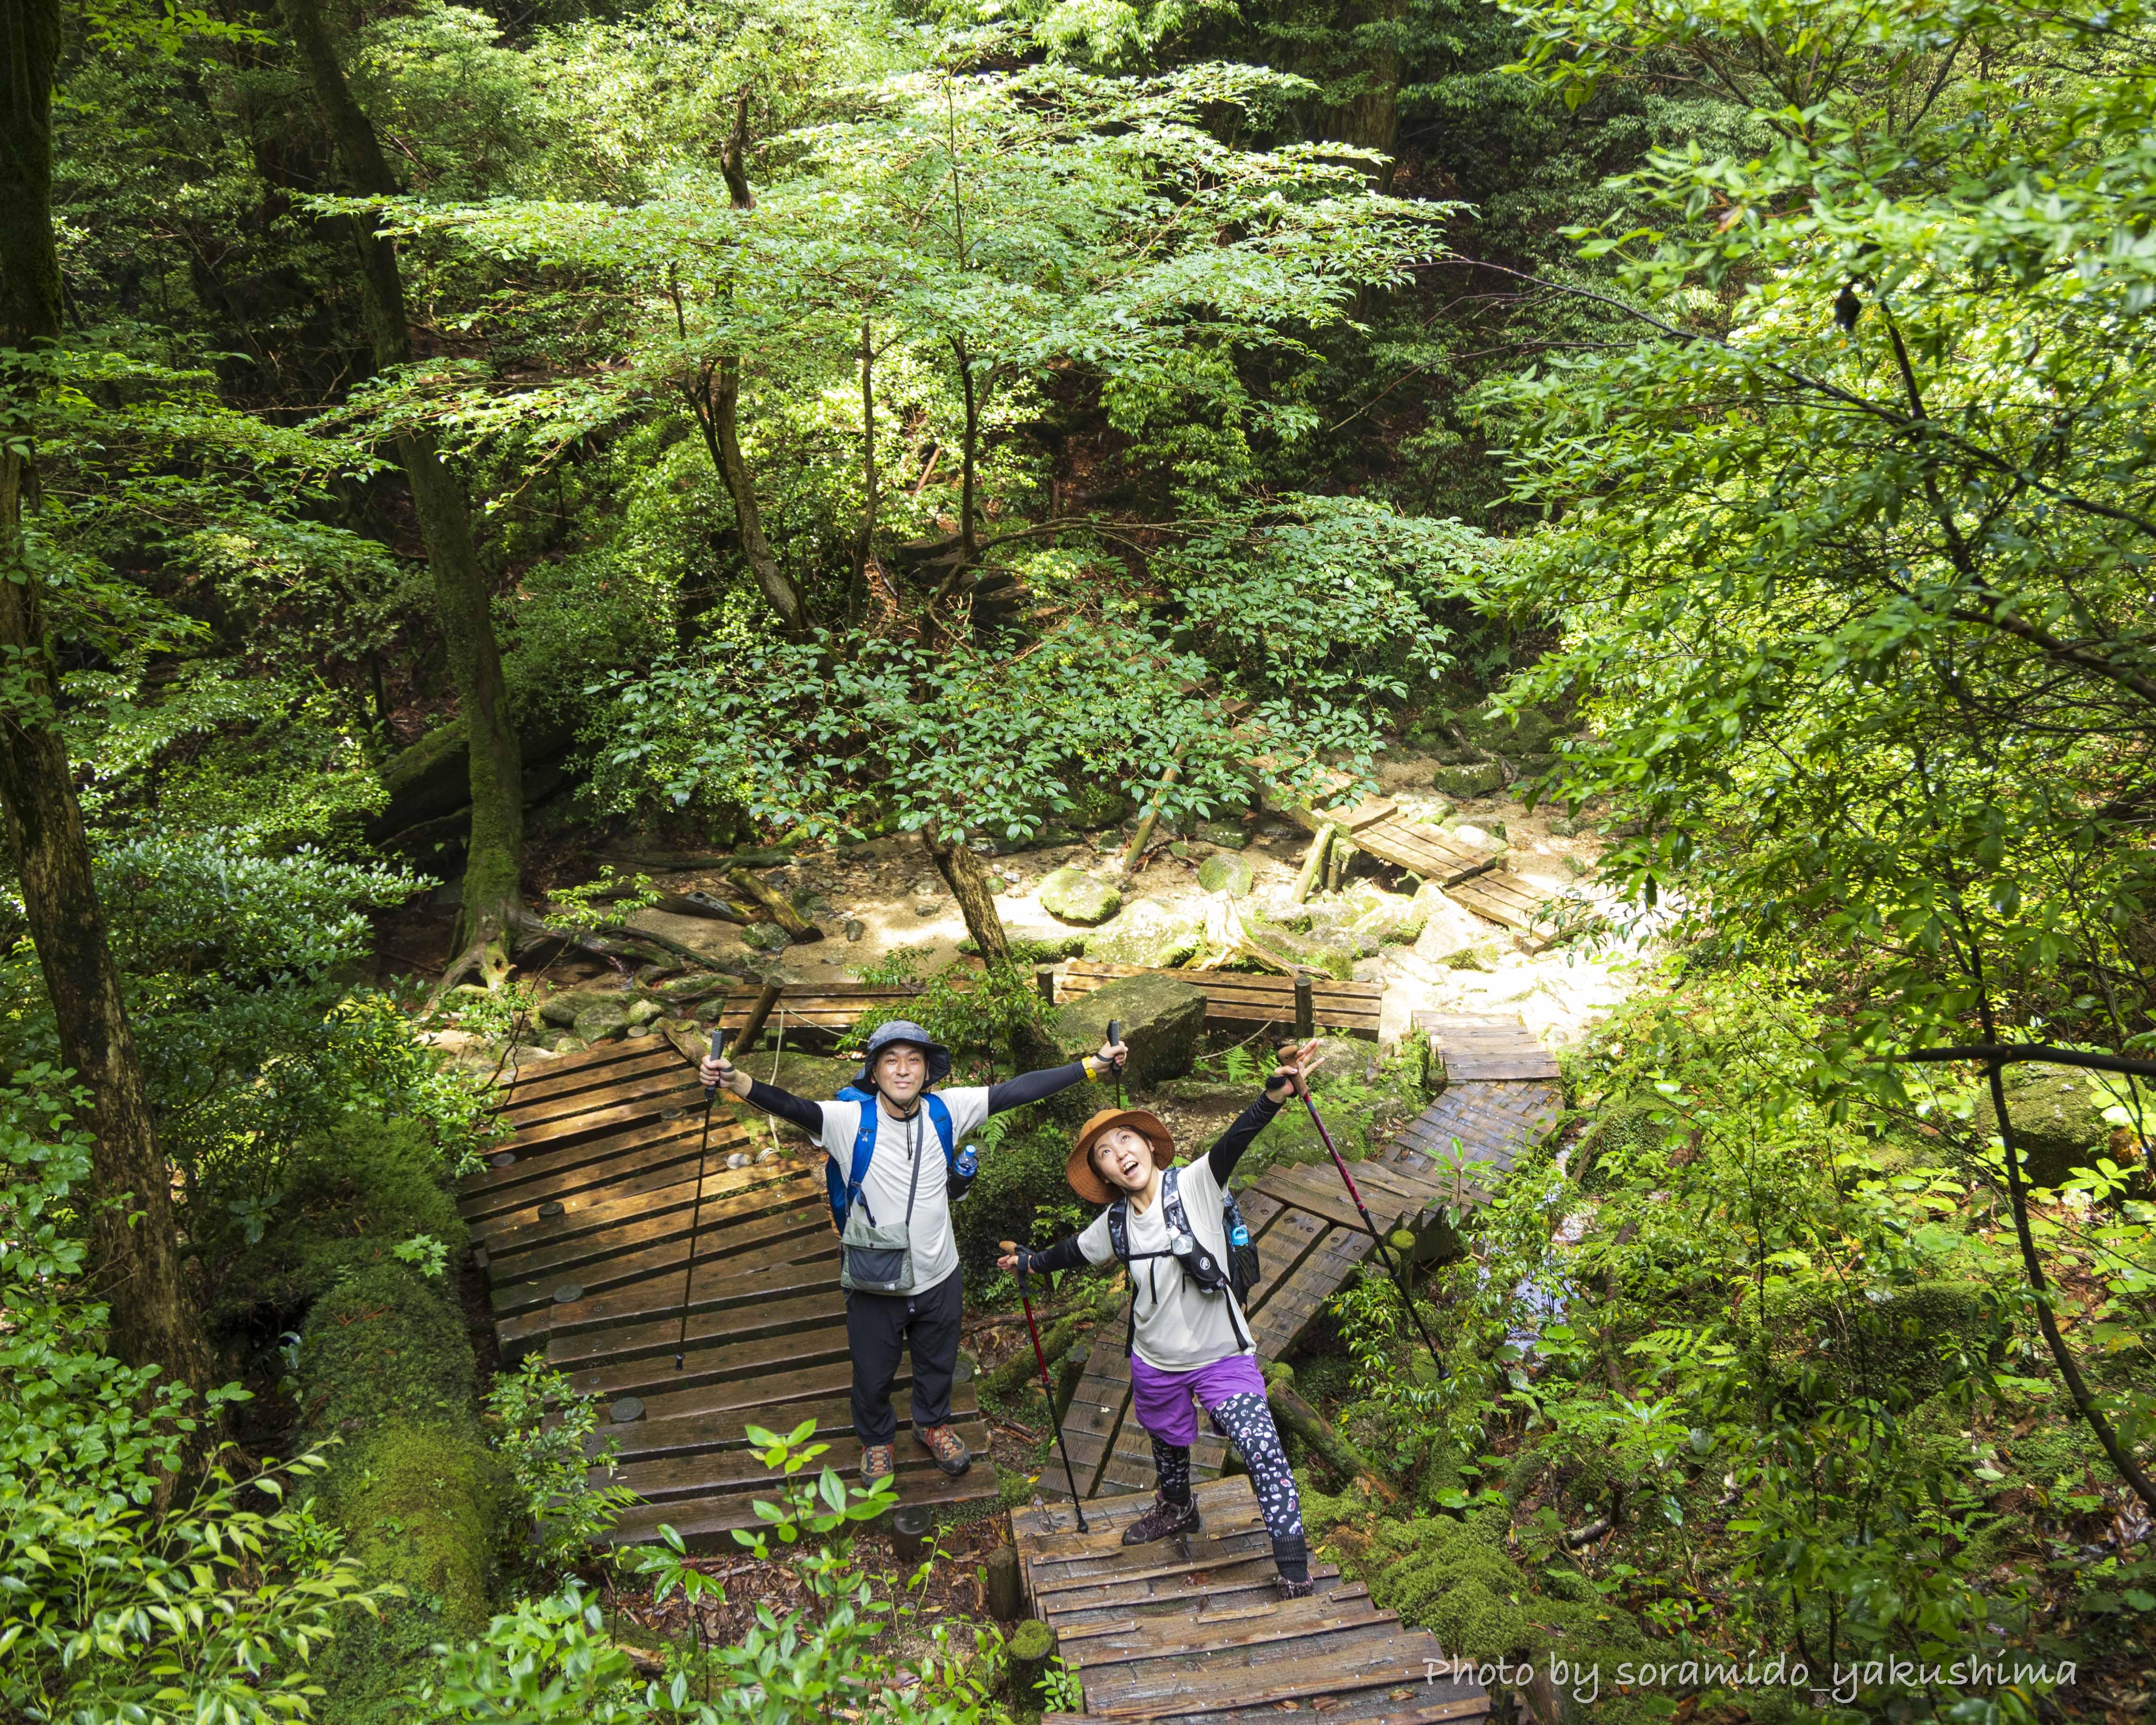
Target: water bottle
(964, 1166)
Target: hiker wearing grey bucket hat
(892, 1142)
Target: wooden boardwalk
(582, 1226)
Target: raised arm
(1032, 1086)
(1228, 1149)
(718, 1072)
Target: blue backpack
(959, 1168)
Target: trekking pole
(1384, 1255)
(1047, 1388)
(1116, 1036)
(696, 1214)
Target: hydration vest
(1241, 1273)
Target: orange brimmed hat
(1084, 1179)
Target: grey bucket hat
(904, 1030)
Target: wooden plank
(1242, 998)
(1173, 1614)
(1381, 1660)
(774, 1391)
(1510, 903)
(516, 1237)
(554, 1261)
(1322, 1194)
(1437, 857)
(1253, 1580)
(1186, 1675)
(820, 1309)
(736, 1362)
(656, 1450)
(1206, 1633)
(789, 1265)
(662, 1085)
(637, 1179)
(528, 1182)
(705, 1525)
(551, 1082)
(1479, 1049)
(602, 1273)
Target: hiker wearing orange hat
(1175, 1230)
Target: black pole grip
(718, 1048)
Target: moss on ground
(387, 1369)
(351, 1197)
(1451, 1575)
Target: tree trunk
(1370, 118)
(865, 544)
(494, 865)
(968, 880)
(967, 539)
(722, 434)
(715, 398)
(133, 1232)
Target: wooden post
(1032, 1645)
(1044, 978)
(1306, 1010)
(1313, 863)
(1337, 859)
(1005, 1584)
(757, 1015)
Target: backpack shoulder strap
(1171, 1204)
(1119, 1231)
(844, 1191)
(939, 1116)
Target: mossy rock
(1162, 1020)
(1226, 871)
(1476, 778)
(817, 1077)
(1227, 834)
(561, 1009)
(1911, 1341)
(1453, 1578)
(1071, 894)
(1146, 933)
(2057, 1117)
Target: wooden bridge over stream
(581, 1226)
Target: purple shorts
(1163, 1398)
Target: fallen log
(796, 925)
(1313, 1427)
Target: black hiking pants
(880, 1328)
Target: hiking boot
(946, 1446)
(1295, 1589)
(1163, 1521)
(877, 1463)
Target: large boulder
(1161, 1019)
(1315, 938)
(1071, 894)
(1367, 910)
(561, 1009)
(1476, 778)
(1226, 871)
(601, 1022)
(1146, 932)
(2057, 1117)
(1230, 835)
(1450, 930)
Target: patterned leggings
(1247, 1423)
